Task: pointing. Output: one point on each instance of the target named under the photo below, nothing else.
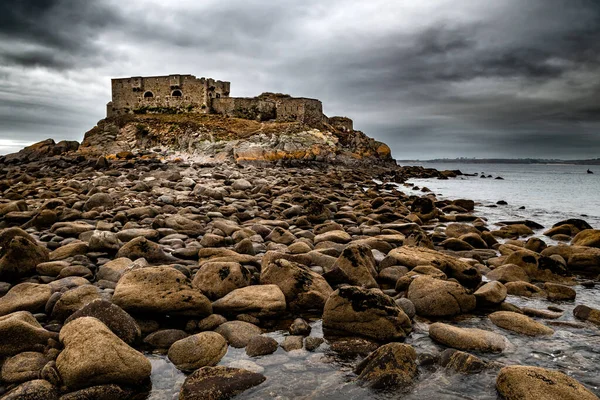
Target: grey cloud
(466, 79)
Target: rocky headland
(233, 250)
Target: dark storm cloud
(57, 34)
(432, 79)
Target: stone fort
(188, 94)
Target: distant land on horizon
(464, 160)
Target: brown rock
(218, 383)
(519, 323)
(391, 366)
(467, 339)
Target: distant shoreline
(503, 161)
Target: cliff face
(216, 138)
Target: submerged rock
(218, 383)
(391, 366)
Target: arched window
(176, 93)
(148, 94)
(218, 95)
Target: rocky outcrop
(44, 149)
(217, 138)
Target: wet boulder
(586, 313)
(93, 355)
(20, 331)
(38, 389)
(303, 288)
(558, 292)
(197, 351)
(437, 298)
(30, 297)
(217, 279)
(412, 257)
(491, 293)
(508, 273)
(391, 366)
(19, 254)
(218, 383)
(351, 310)
(518, 382)
(162, 290)
(538, 267)
(588, 237)
(258, 300)
(356, 266)
(238, 333)
(467, 339)
(113, 316)
(519, 323)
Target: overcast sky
(434, 78)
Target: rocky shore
(106, 262)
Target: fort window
(176, 93)
(218, 95)
(148, 94)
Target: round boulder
(197, 351)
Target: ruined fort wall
(308, 111)
(241, 107)
(184, 92)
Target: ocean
(548, 192)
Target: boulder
(519, 323)
(99, 200)
(392, 366)
(491, 293)
(162, 290)
(351, 310)
(163, 339)
(38, 389)
(114, 269)
(23, 367)
(462, 362)
(104, 241)
(467, 339)
(19, 254)
(557, 292)
(518, 382)
(238, 333)
(30, 297)
(411, 257)
(180, 224)
(292, 342)
(588, 237)
(587, 314)
(259, 301)
(74, 299)
(524, 289)
(356, 266)
(437, 298)
(20, 332)
(140, 247)
(93, 355)
(538, 267)
(113, 316)
(303, 288)
(217, 279)
(218, 383)
(197, 351)
(261, 346)
(508, 273)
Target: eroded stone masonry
(188, 94)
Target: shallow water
(321, 375)
(549, 194)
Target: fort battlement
(188, 94)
